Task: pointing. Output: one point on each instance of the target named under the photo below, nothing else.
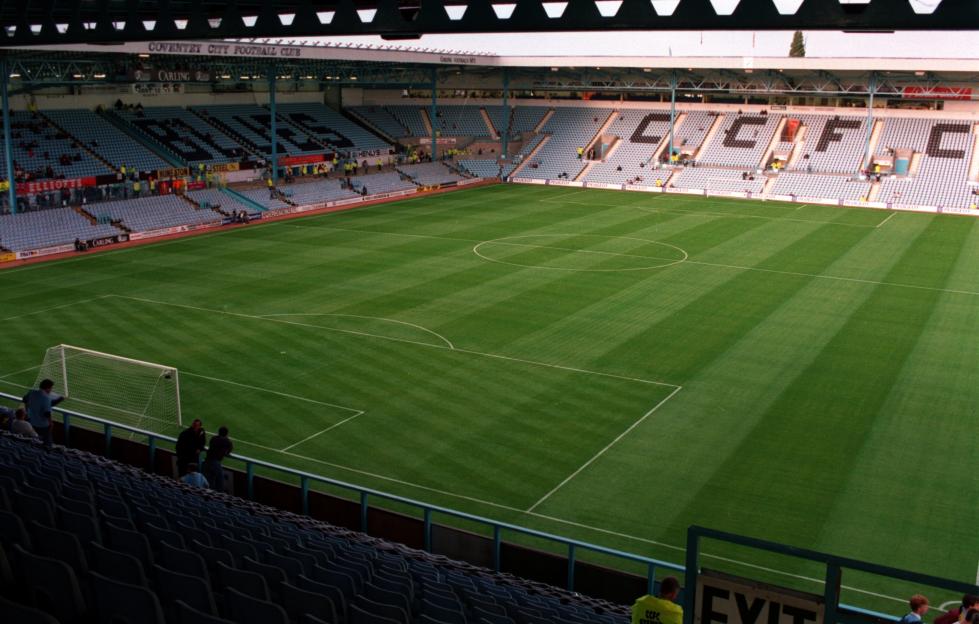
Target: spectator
(21, 427)
(194, 478)
(190, 444)
(6, 418)
(662, 609)
(951, 616)
(39, 403)
(919, 607)
(219, 448)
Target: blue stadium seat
(185, 614)
(50, 585)
(360, 615)
(12, 531)
(182, 561)
(84, 525)
(243, 581)
(245, 609)
(121, 603)
(61, 545)
(335, 595)
(298, 602)
(116, 565)
(19, 614)
(195, 591)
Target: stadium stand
(103, 138)
(382, 182)
(427, 174)
(481, 168)
(741, 141)
(942, 149)
(380, 118)
(717, 180)
(46, 228)
(527, 118)
(89, 539)
(832, 144)
(186, 135)
(150, 213)
(37, 146)
(316, 192)
(261, 197)
(823, 186)
(464, 120)
(214, 199)
(331, 128)
(570, 128)
(251, 124)
(639, 132)
(410, 117)
(693, 129)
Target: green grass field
(604, 365)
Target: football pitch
(603, 365)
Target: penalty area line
(319, 433)
(563, 521)
(357, 412)
(604, 450)
(889, 217)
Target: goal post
(133, 392)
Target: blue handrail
(366, 494)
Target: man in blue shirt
(193, 477)
(39, 403)
(919, 607)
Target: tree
(798, 47)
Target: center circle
(635, 254)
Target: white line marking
(23, 370)
(423, 344)
(744, 216)
(57, 307)
(500, 241)
(275, 392)
(319, 433)
(801, 207)
(604, 450)
(891, 216)
(977, 575)
(447, 342)
(836, 278)
(283, 321)
(736, 266)
(953, 603)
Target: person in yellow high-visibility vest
(581, 152)
(661, 609)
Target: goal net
(131, 392)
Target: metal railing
(366, 495)
(834, 610)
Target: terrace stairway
(489, 123)
(530, 157)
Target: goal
(116, 388)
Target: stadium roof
(390, 65)
(116, 21)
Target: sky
(724, 43)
